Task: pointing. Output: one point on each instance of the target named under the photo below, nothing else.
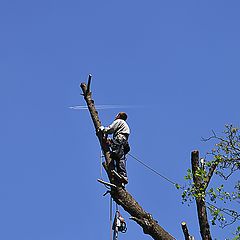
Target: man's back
(119, 126)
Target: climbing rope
(151, 169)
(110, 218)
(101, 162)
(101, 169)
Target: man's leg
(119, 156)
(121, 168)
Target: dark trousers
(118, 154)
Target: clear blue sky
(178, 59)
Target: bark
(200, 198)
(120, 195)
(185, 231)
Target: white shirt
(117, 127)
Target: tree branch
(210, 174)
(185, 231)
(119, 194)
(200, 198)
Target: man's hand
(101, 128)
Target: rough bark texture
(119, 194)
(200, 200)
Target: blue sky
(178, 60)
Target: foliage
(222, 162)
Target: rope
(151, 169)
(229, 214)
(101, 172)
(110, 218)
(101, 168)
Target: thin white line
(102, 107)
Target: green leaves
(221, 164)
(177, 186)
(189, 175)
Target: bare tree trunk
(185, 231)
(120, 194)
(200, 198)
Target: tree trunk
(120, 194)
(200, 198)
(185, 231)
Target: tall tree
(120, 195)
(222, 162)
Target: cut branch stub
(90, 103)
(89, 82)
(185, 231)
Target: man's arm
(110, 129)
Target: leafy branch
(222, 161)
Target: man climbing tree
(119, 194)
(119, 143)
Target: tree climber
(119, 143)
